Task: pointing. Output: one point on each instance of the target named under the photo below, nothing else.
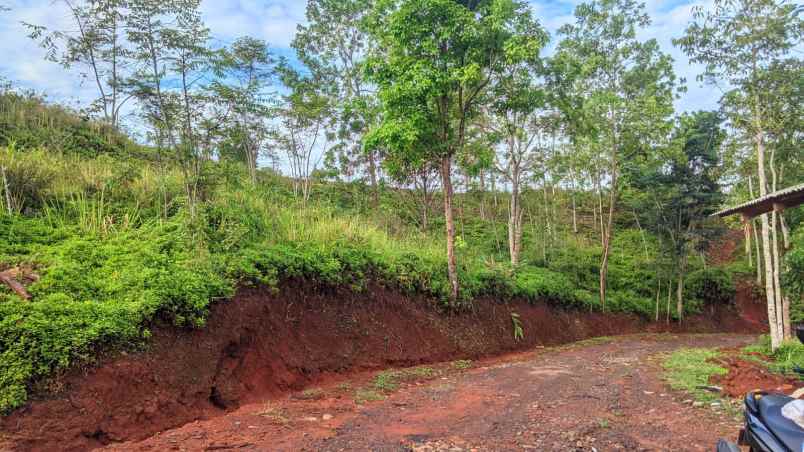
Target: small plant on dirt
(367, 395)
(345, 386)
(275, 415)
(386, 381)
(603, 423)
(785, 360)
(417, 373)
(690, 369)
(519, 333)
(310, 394)
(462, 364)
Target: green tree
(302, 132)
(679, 189)
(615, 88)
(95, 44)
(170, 46)
(740, 42)
(246, 73)
(332, 46)
(516, 101)
(433, 61)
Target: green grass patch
(788, 357)
(367, 395)
(690, 368)
(462, 364)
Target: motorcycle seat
(787, 431)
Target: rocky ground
(597, 395)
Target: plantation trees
(741, 42)
(516, 102)
(332, 46)
(247, 70)
(95, 45)
(433, 61)
(678, 190)
(614, 88)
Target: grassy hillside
(115, 250)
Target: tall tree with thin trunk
(246, 75)
(516, 101)
(615, 88)
(737, 41)
(333, 45)
(437, 60)
(95, 43)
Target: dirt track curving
(603, 395)
(262, 345)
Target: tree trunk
(747, 232)
(658, 294)
(452, 266)
(6, 191)
(785, 232)
(758, 251)
(375, 191)
(780, 299)
(515, 223)
(680, 289)
(608, 232)
(600, 208)
(669, 297)
(774, 316)
(482, 195)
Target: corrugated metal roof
(789, 197)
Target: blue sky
(276, 21)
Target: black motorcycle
(766, 430)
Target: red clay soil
(744, 376)
(751, 305)
(262, 344)
(595, 396)
(722, 251)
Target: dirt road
(599, 395)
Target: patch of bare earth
(599, 395)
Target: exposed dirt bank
(261, 344)
(599, 395)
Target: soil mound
(263, 343)
(745, 376)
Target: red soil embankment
(262, 344)
(745, 376)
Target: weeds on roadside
(785, 360)
(462, 364)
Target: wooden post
(747, 230)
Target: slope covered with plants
(463, 165)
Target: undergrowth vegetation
(116, 251)
(689, 370)
(786, 359)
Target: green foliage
(689, 369)
(116, 251)
(785, 359)
(28, 122)
(711, 286)
(462, 364)
(95, 291)
(793, 276)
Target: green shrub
(711, 286)
(788, 357)
(96, 292)
(793, 276)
